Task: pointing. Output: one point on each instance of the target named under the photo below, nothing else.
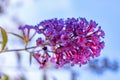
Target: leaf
(4, 37)
(44, 76)
(30, 58)
(0, 42)
(6, 77)
(17, 35)
(18, 55)
(21, 37)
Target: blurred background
(15, 65)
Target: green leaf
(17, 35)
(6, 77)
(4, 37)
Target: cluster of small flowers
(72, 41)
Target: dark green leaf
(4, 37)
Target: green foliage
(6, 77)
(23, 38)
(30, 57)
(17, 35)
(4, 38)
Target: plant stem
(19, 49)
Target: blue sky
(105, 12)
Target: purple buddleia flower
(26, 32)
(72, 41)
(39, 41)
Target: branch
(19, 49)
